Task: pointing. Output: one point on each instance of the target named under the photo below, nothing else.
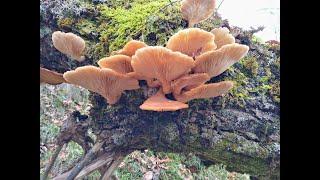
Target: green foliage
(250, 63)
(123, 24)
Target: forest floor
(58, 101)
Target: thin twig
(51, 162)
(219, 5)
(102, 160)
(112, 167)
(88, 157)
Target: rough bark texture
(240, 130)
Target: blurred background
(253, 13)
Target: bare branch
(112, 167)
(88, 157)
(51, 162)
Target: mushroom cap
(196, 11)
(50, 77)
(205, 91)
(105, 81)
(118, 63)
(131, 47)
(69, 44)
(192, 42)
(216, 62)
(222, 37)
(189, 81)
(162, 64)
(159, 102)
(153, 83)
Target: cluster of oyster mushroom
(191, 57)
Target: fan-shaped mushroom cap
(153, 83)
(216, 62)
(162, 64)
(50, 77)
(205, 91)
(105, 81)
(190, 80)
(118, 63)
(69, 44)
(159, 102)
(196, 11)
(222, 37)
(131, 47)
(192, 42)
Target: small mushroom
(189, 81)
(196, 11)
(69, 44)
(222, 37)
(192, 42)
(50, 77)
(118, 63)
(131, 47)
(205, 91)
(216, 62)
(162, 64)
(104, 81)
(159, 102)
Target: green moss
(250, 64)
(65, 23)
(124, 24)
(86, 27)
(275, 91)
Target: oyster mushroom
(131, 47)
(205, 91)
(103, 81)
(69, 44)
(222, 37)
(50, 77)
(118, 63)
(192, 42)
(162, 64)
(189, 81)
(196, 11)
(216, 62)
(159, 102)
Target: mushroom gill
(196, 11)
(205, 91)
(50, 77)
(216, 62)
(162, 64)
(118, 63)
(103, 81)
(189, 81)
(69, 44)
(222, 37)
(131, 47)
(159, 102)
(192, 42)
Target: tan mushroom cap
(69, 44)
(118, 63)
(153, 83)
(131, 47)
(222, 37)
(196, 11)
(162, 64)
(159, 102)
(192, 42)
(216, 62)
(189, 81)
(205, 91)
(105, 81)
(50, 77)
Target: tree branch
(88, 157)
(51, 162)
(115, 163)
